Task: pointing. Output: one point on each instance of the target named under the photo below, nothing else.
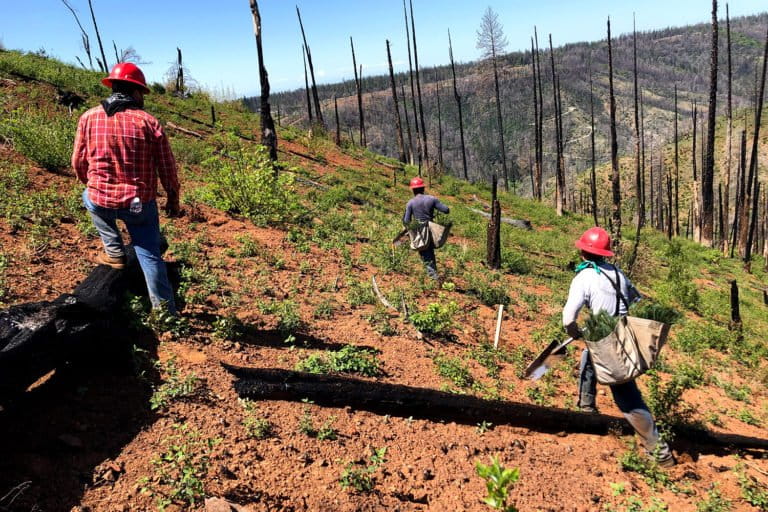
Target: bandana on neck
(117, 103)
(587, 264)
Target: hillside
(669, 57)
(277, 275)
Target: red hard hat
(126, 72)
(417, 183)
(595, 241)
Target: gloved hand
(172, 207)
(573, 331)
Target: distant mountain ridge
(668, 57)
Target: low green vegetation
(437, 318)
(363, 479)
(455, 370)
(174, 386)
(256, 426)
(349, 359)
(498, 481)
(41, 137)
(181, 470)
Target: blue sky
(220, 51)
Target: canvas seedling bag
(439, 234)
(420, 237)
(629, 351)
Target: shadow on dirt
(406, 401)
(61, 436)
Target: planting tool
(399, 238)
(542, 363)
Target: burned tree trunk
(440, 167)
(755, 140)
(615, 176)
(306, 84)
(84, 35)
(398, 123)
(268, 134)
(358, 88)
(708, 171)
(494, 230)
(413, 92)
(677, 173)
(425, 150)
(338, 125)
(315, 97)
(536, 185)
(458, 105)
(105, 66)
(593, 176)
(638, 178)
(179, 73)
(540, 154)
(559, 172)
(404, 401)
(739, 213)
(695, 199)
(728, 142)
(407, 125)
(500, 124)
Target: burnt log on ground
(406, 401)
(38, 337)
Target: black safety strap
(619, 296)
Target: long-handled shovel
(542, 363)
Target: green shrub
(436, 319)
(256, 427)
(755, 493)
(694, 337)
(175, 386)
(359, 293)
(498, 481)
(363, 479)
(249, 184)
(181, 470)
(348, 359)
(455, 370)
(490, 294)
(514, 262)
(666, 401)
(41, 137)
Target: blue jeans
(429, 260)
(629, 401)
(144, 228)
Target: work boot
(667, 462)
(591, 409)
(105, 259)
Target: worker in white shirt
(601, 286)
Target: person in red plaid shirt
(120, 153)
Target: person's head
(417, 185)
(127, 78)
(594, 244)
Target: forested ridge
(667, 58)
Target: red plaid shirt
(121, 157)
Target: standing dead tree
(103, 63)
(398, 122)
(268, 134)
(677, 173)
(413, 93)
(358, 88)
(615, 175)
(639, 197)
(306, 84)
(751, 191)
(338, 126)
(559, 171)
(440, 167)
(491, 41)
(536, 182)
(407, 125)
(179, 73)
(493, 245)
(708, 170)
(593, 175)
(418, 90)
(540, 154)
(458, 105)
(83, 34)
(315, 97)
(728, 142)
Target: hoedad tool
(543, 361)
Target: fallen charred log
(38, 337)
(407, 401)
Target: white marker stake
(498, 327)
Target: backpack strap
(619, 296)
